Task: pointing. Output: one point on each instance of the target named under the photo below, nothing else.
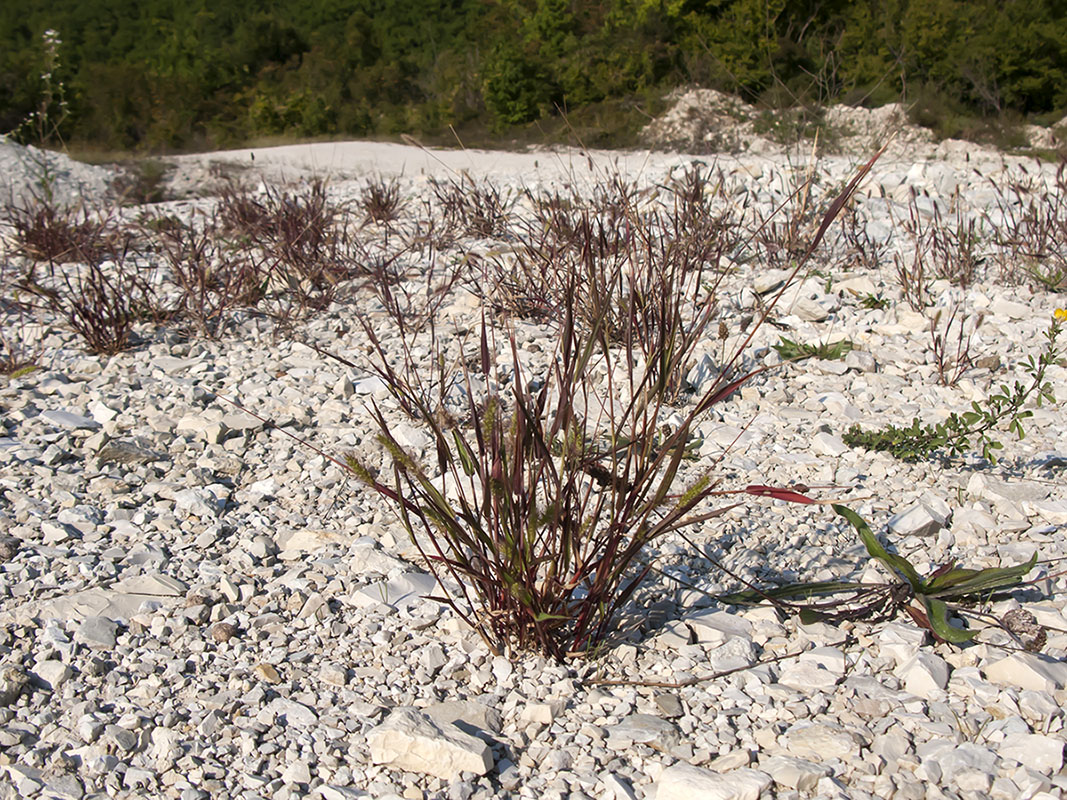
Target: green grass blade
(982, 581)
(793, 591)
(895, 563)
(937, 613)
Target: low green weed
(875, 301)
(795, 351)
(925, 600)
(918, 441)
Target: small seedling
(794, 351)
(875, 301)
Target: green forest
(161, 75)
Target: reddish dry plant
(46, 232)
(950, 344)
(545, 492)
(83, 268)
(381, 200)
(299, 238)
(1032, 237)
(213, 278)
(649, 280)
(476, 208)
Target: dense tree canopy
(156, 74)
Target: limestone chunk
(410, 740)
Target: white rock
(333, 674)
(469, 716)
(406, 589)
(656, 732)
(829, 445)
(137, 778)
(373, 386)
(729, 761)
(618, 788)
(685, 782)
(199, 502)
(97, 632)
(899, 641)
(807, 676)
(832, 659)
(925, 675)
(67, 419)
(704, 371)
(152, 584)
(795, 773)
(821, 741)
(55, 532)
(1028, 671)
(410, 740)
(769, 280)
(1053, 512)
(241, 421)
(1041, 753)
(297, 771)
(711, 627)
(410, 438)
(344, 388)
(543, 713)
(264, 488)
(166, 747)
(918, 520)
(959, 759)
(51, 674)
(1012, 310)
(102, 413)
(292, 712)
(861, 361)
(808, 310)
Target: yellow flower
(1060, 314)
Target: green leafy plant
(794, 351)
(1053, 277)
(955, 434)
(926, 600)
(875, 301)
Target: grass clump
(545, 485)
(381, 200)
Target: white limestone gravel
(142, 516)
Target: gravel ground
(194, 606)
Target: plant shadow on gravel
(547, 488)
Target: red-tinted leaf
(947, 567)
(778, 493)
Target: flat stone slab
(121, 602)
(685, 782)
(410, 740)
(67, 419)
